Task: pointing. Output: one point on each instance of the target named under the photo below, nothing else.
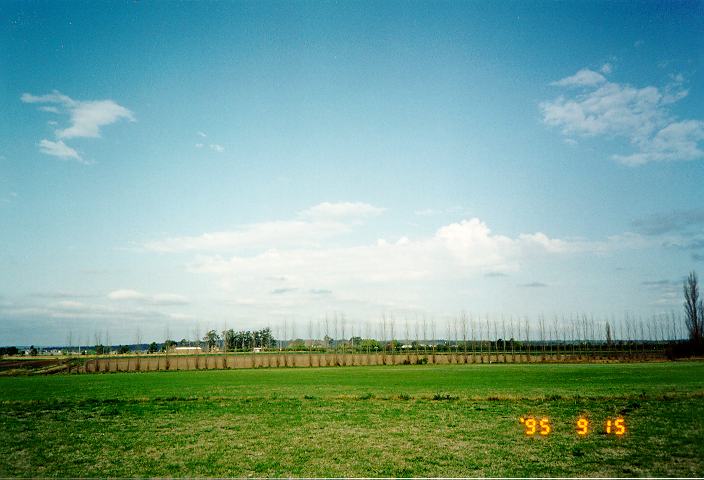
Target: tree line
(463, 333)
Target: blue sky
(183, 166)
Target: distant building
(188, 350)
(53, 352)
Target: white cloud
(216, 148)
(199, 145)
(456, 250)
(129, 295)
(606, 68)
(314, 225)
(427, 212)
(86, 119)
(582, 78)
(676, 141)
(258, 235)
(273, 267)
(54, 97)
(456, 210)
(168, 299)
(59, 149)
(125, 295)
(71, 309)
(620, 111)
(201, 134)
(341, 211)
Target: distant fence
(304, 359)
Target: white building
(188, 350)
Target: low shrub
(444, 396)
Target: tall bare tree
(474, 339)
(693, 308)
(464, 334)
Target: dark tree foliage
(211, 338)
(693, 308)
(8, 351)
(153, 348)
(247, 340)
(123, 349)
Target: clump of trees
(248, 340)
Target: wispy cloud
(583, 78)
(86, 119)
(495, 275)
(128, 295)
(216, 148)
(61, 150)
(676, 221)
(312, 226)
(341, 211)
(74, 309)
(658, 283)
(8, 198)
(534, 285)
(679, 229)
(431, 212)
(281, 291)
(598, 108)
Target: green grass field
(451, 420)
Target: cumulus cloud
(285, 265)
(676, 141)
(457, 250)
(642, 116)
(86, 119)
(216, 148)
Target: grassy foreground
(450, 420)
